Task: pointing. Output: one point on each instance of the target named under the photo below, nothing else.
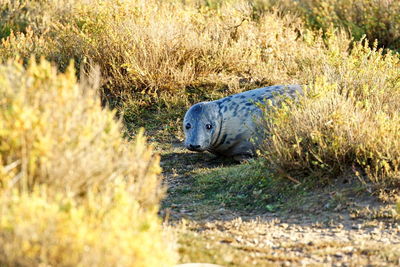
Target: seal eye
(188, 126)
(208, 126)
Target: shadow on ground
(200, 189)
(336, 225)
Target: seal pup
(228, 126)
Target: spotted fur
(228, 126)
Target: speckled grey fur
(234, 129)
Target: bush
(165, 55)
(348, 118)
(158, 57)
(39, 15)
(72, 191)
(104, 230)
(147, 48)
(376, 19)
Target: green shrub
(72, 191)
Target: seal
(229, 126)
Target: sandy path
(313, 236)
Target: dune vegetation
(375, 19)
(73, 191)
(348, 119)
(76, 77)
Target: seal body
(229, 126)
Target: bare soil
(336, 225)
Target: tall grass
(375, 19)
(150, 47)
(72, 190)
(165, 55)
(158, 57)
(348, 119)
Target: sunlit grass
(72, 190)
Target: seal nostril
(194, 146)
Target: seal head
(201, 124)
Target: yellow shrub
(102, 230)
(349, 117)
(73, 192)
(25, 45)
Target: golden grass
(150, 47)
(103, 230)
(73, 192)
(63, 164)
(375, 19)
(348, 118)
(155, 52)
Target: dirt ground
(330, 226)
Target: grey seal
(229, 126)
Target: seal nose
(194, 147)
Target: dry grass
(349, 118)
(149, 47)
(64, 164)
(154, 53)
(159, 57)
(376, 19)
(157, 54)
(103, 230)
(73, 192)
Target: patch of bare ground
(337, 225)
